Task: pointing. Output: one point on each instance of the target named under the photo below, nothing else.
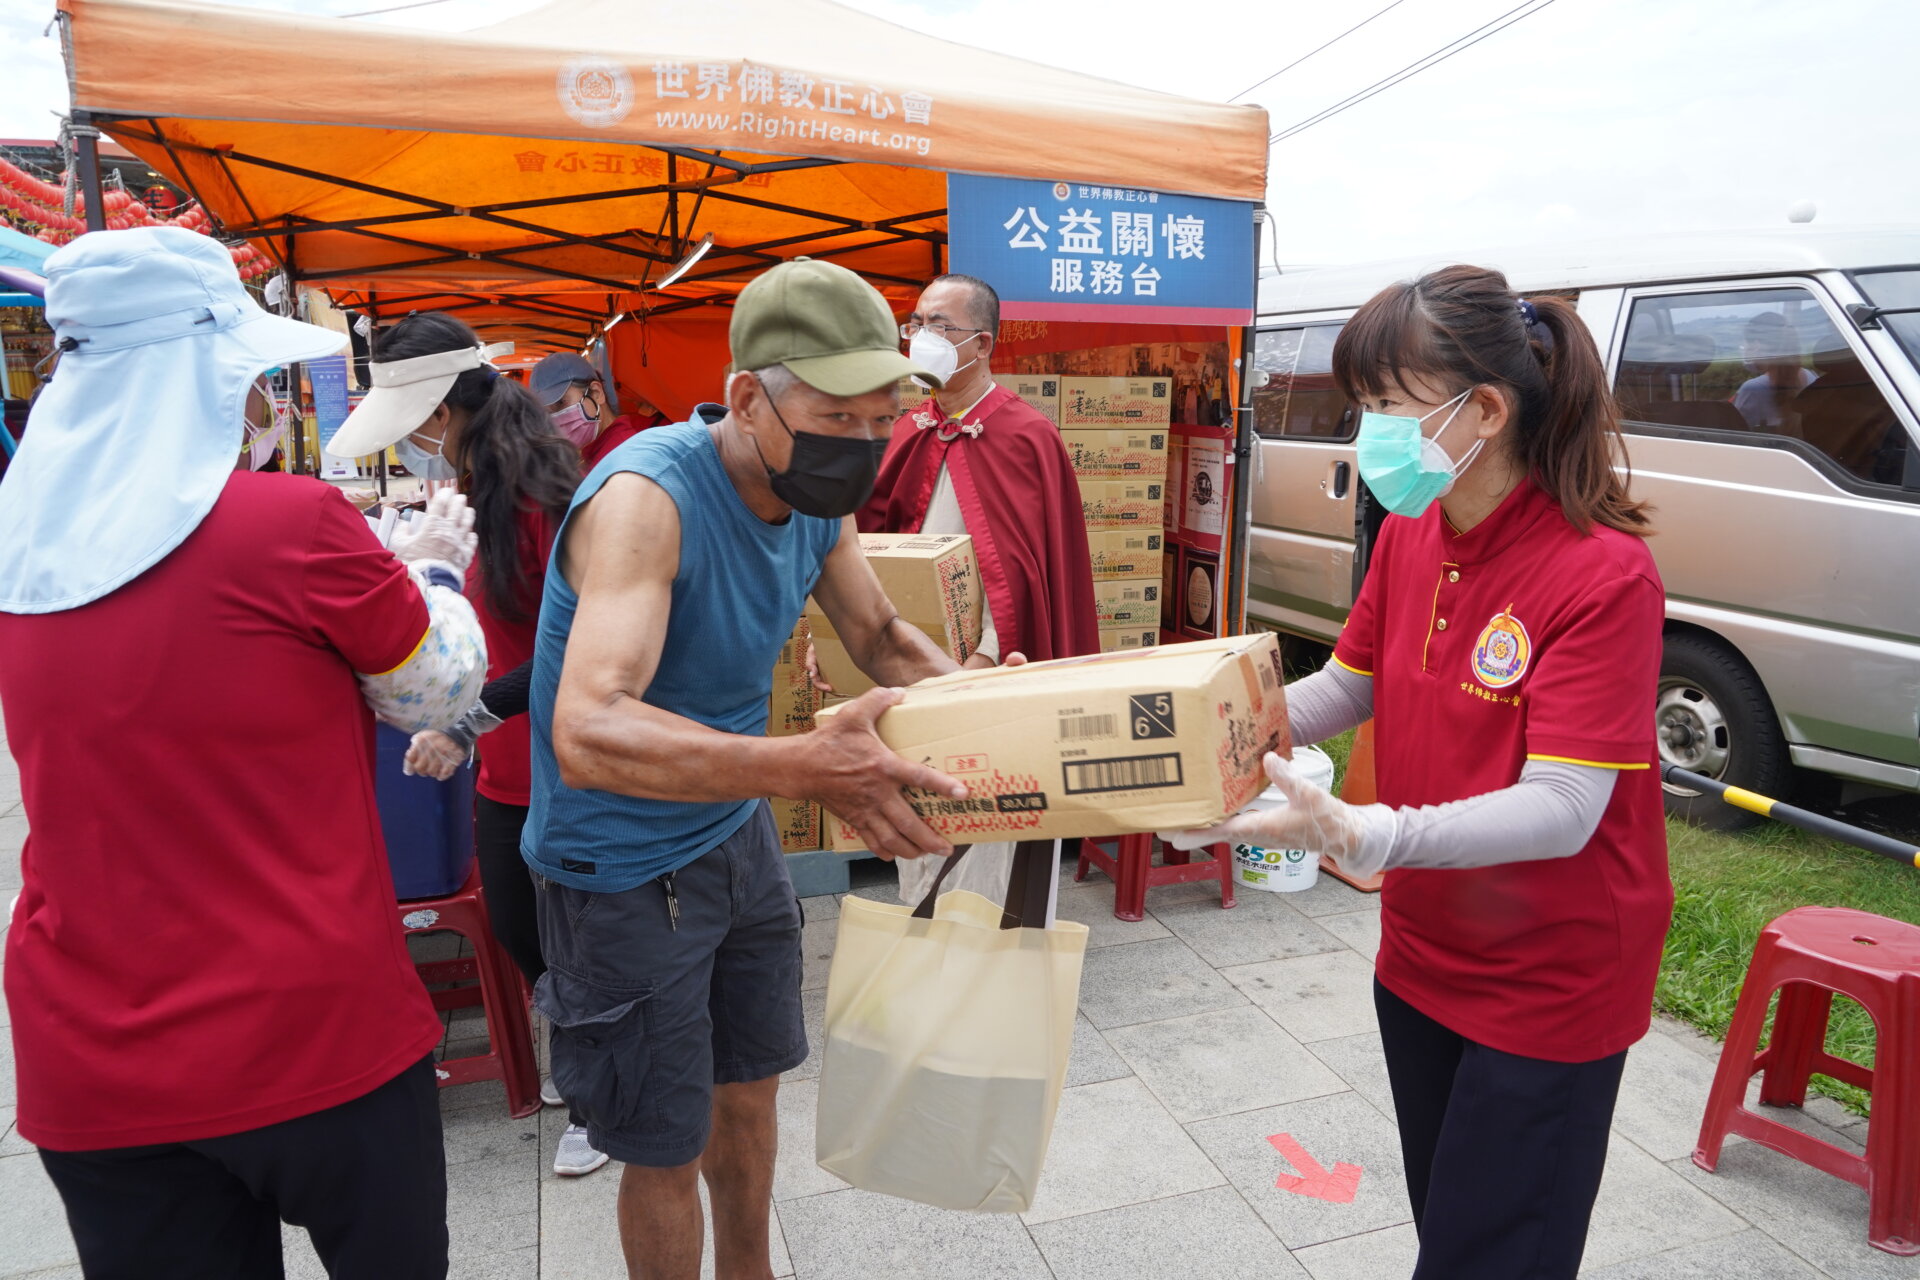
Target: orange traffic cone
(1357, 788)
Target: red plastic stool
(1130, 867)
(500, 990)
(1808, 955)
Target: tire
(1712, 716)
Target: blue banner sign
(1074, 251)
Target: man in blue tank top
(667, 919)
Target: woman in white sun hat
(215, 1020)
(452, 416)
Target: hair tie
(1537, 330)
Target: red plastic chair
(1808, 955)
(494, 983)
(1130, 866)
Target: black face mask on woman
(830, 477)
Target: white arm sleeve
(1552, 812)
(444, 676)
(1328, 703)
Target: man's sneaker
(576, 1155)
(550, 1096)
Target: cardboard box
(1125, 638)
(790, 711)
(1154, 739)
(1173, 507)
(1128, 602)
(1117, 453)
(837, 666)
(932, 579)
(1041, 390)
(1122, 504)
(802, 825)
(912, 396)
(794, 702)
(934, 583)
(1116, 402)
(1126, 553)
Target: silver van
(1770, 384)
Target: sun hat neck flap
(134, 439)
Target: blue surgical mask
(417, 461)
(1404, 469)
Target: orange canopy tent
(543, 174)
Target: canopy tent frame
(277, 234)
(527, 253)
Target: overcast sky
(1590, 117)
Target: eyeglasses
(946, 331)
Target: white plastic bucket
(1283, 870)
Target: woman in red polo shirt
(520, 473)
(1506, 644)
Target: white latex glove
(1359, 838)
(432, 754)
(443, 532)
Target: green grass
(1726, 889)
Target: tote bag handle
(1029, 887)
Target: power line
(1413, 68)
(1303, 57)
(368, 13)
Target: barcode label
(1082, 728)
(1125, 773)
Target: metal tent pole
(86, 150)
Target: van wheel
(1713, 717)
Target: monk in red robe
(977, 459)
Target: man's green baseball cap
(831, 329)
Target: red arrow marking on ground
(1335, 1187)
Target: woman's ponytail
(514, 462)
(1462, 326)
(1572, 450)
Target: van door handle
(1342, 475)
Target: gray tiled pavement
(1202, 1034)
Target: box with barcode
(1117, 453)
(912, 397)
(1127, 602)
(1119, 639)
(933, 581)
(1142, 739)
(1116, 402)
(1122, 504)
(1126, 553)
(1040, 390)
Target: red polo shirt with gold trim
(1521, 639)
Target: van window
(1898, 290)
(1766, 362)
(1300, 398)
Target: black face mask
(830, 477)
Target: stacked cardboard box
(934, 584)
(1041, 390)
(791, 711)
(1116, 433)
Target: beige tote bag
(948, 1028)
